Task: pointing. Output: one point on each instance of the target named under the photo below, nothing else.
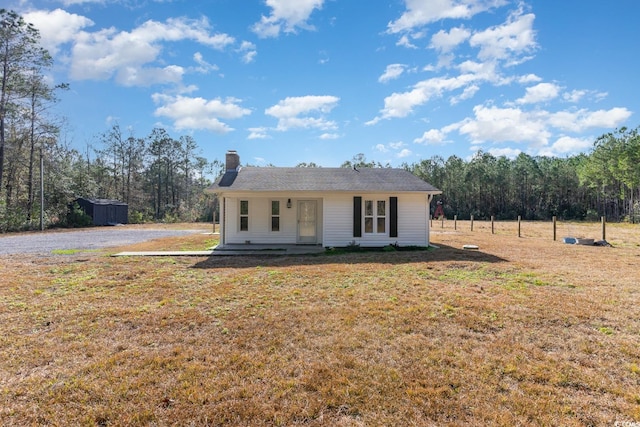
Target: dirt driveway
(87, 239)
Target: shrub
(139, 217)
(77, 217)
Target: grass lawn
(523, 331)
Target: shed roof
(103, 201)
(263, 179)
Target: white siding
(412, 221)
(334, 216)
(338, 219)
(260, 220)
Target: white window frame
(278, 215)
(243, 215)
(375, 216)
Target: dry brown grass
(525, 331)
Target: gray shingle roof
(321, 179)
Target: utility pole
(41, 189)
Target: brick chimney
(232, 160)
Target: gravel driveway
(44, 243)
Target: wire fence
(554, 229)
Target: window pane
(368, 207)
(275, 223)
(275, 207)
(381, 225)
(368, 225)
(381, 208)
(244, 223)
(244, 207)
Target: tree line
(604, 182)
(162, 178)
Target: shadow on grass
(443, 253)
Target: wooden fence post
(492, 220)
(442, 221)
(471, 222)
(455, 222)
(604, 228)
(554, 228)
(519, 220)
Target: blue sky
(290, 81)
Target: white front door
(307, 221)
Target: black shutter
(357, 216)
(393, 217)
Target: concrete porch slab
(235, 250)
(165, 253)
(255, 249)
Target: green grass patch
(66, 251)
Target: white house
(332, 207)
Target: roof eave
(221, 190)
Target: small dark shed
(105, 211)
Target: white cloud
(566, 120)
(606, 118)
(493, 124)
(423, 12)
(599, 96)
(258, 133)
(203, 66)
(484, 71)
(72, 2)
(447, 41)
(566, 144)
(328, 136)
(108, 52)
(467, 93)
(405, 42)
(404, 153)
(510, 153)
(289, 110)
(287, 16)
(529, 78)
(287, 123)
(397, 146)
(324, 57)
(540, 93)
(574, 95)
(504, 42)
(581, 120)
(199, 113)
(293, 106)
(133, 76)
(57, 27)
(402, 104)
(445, 60)
(535, 128)
(393, 71)
(248, 51)
(432, 137)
